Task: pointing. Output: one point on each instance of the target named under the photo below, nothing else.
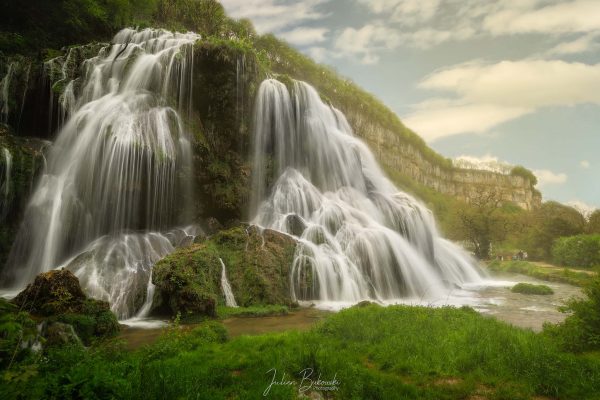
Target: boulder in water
(258, 264)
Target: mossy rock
(258, 263)
(56, 296)
(528, 288)
(51, 293)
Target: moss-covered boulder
(258, 264)
(18, 333)
(56, 296)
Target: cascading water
(359, 236)
(5, 182)
(5, 92)
(120, 165)
(226, 287)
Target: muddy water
(523, 310)
(140, 333)
(494, 299)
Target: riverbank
(544, 271)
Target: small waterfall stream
(5, 182)
(226, 287)
(359, 236)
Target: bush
(577, 251)
(524, 173)
(581, 330)
(528, 288)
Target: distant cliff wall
(396, 154)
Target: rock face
(258, 263)
(20, 161)
(53, 292)
(56, 297)
(398, 155)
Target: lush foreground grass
(397, 352)
(252, 311)
(528, 288)
(564, 275)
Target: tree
(593, 224)
(485, 219)
(524, 173)
(549, 222)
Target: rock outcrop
(396, 154)
(188, 281)
(56, 297)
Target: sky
(517, 81)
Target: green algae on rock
(258, 264)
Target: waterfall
(5, 92)
(119, 172)
(5, 183)
(226, 287)
(359, 236)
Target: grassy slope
(376, 353)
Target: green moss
(16, 330)
(528, 288)
(257, 267)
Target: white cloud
(486, 162)
(431, 22)
(433, 122)
(584, 164)
(547, 177)
(364, 42)
(318, 53)
(582, 207)
(304, 36)
(486, 95)
(274, 15)
(563, 17)
(583, 44)
(408, 12)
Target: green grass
(252, 311)
(564, 275)
(528, 288)
(397, 352)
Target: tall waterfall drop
(359, 236)
(118, 174)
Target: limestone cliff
(394, 153)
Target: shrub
(528, 288)
(577, 251)
(581, 330)
(524, 173)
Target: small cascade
(119, 174)
(5, 85)
(5, 182)
(226, 287)
(359, 236)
